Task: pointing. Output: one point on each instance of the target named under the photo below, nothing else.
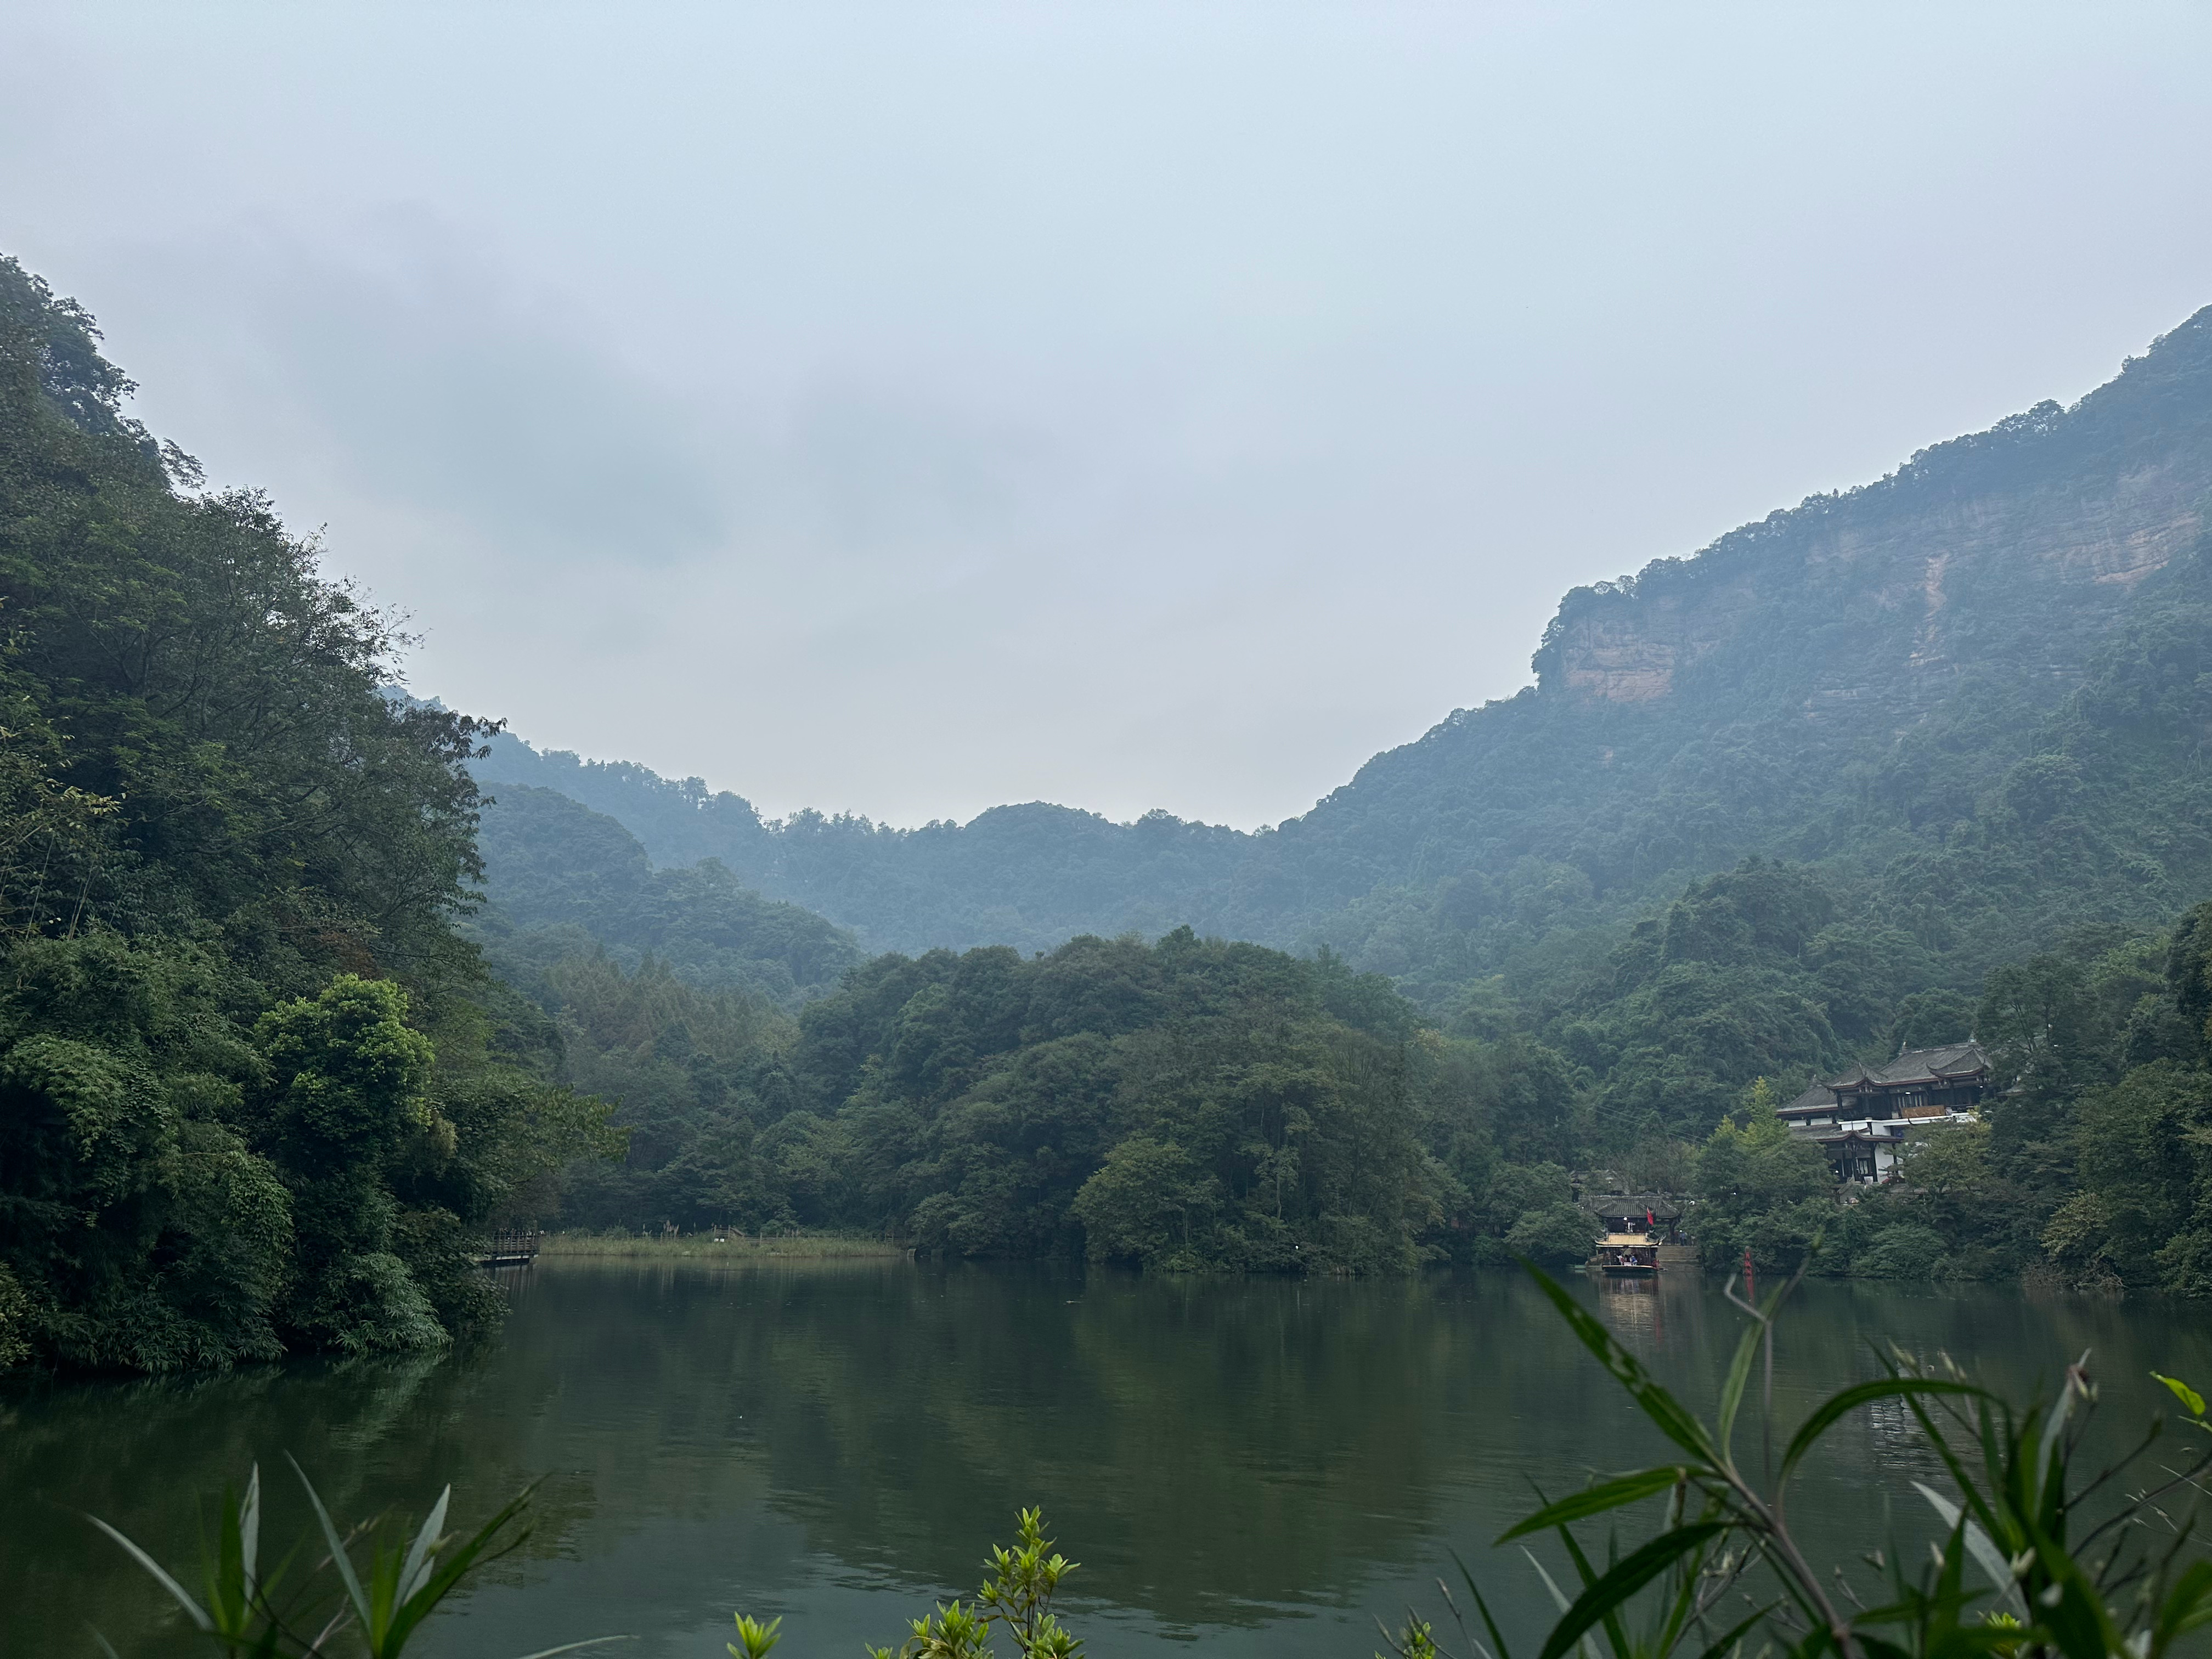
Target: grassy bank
(703, 1247)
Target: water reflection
(1259, 1462)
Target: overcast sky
(906, 407)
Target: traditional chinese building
(1648, 1215)
(1643, 1232)
(1859, 1119)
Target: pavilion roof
(1955, 1059)
(1658, 1205)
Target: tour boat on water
(1626, 1255)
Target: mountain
(292, 1007)
(257, 1092)
(1031, 876)
(559, 876)
(1973, 695)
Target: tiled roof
(1918, 1066)
(1657, 1204)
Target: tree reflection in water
(1257, 1460)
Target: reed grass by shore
(705, 1247)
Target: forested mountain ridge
(255, 1092)
(1956, 681)
(1972, 693)
(558, 876)
(1031, 876)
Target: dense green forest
(1194, 1104)
(558, 877)
(956, 1100)
(2091, 1168)
(1185, 1104)
(255, 1091)
(1641, 1040)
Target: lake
(1257, 1465)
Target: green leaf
(2187, 1395)
(757, 1638)
(249, 1531)
(1497, 1639)
(416, 1568)
(1739, 1375)
(2187, 1605)
(1837, 1406)
(1677, 1424)
(1735, 1633)
(457, 1565)
(1597, 1500)
(2077, 1621)
(2046, 1500)
(1622, 1580)
(1992, 1521)
(1987, 1556)
(1616, 1635)
(193, 1611)
(339, 1559)
(1559, 1596)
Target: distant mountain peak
(2084, 502)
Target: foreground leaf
(1622, 1580)
(1597, 1500)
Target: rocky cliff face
(2074, 507)
(1989, 673)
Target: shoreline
(702, 1247)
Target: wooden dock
(509, 1249)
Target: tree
(1759, 1185)
(213, 808)
(1150, 1204)
(1557, 1235)
(137, 1227)
(346, 1102)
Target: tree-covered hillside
(2090, 1168)
(1031, 876)
(255, 1091)
(1973, 696)
(1189, 1104)
(559, 878)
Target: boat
(1626, 1255)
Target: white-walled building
(1860, 1118)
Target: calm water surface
(1260, 1466)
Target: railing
(513, 1250)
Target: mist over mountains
(1973, 695)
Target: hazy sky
(906, 407)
